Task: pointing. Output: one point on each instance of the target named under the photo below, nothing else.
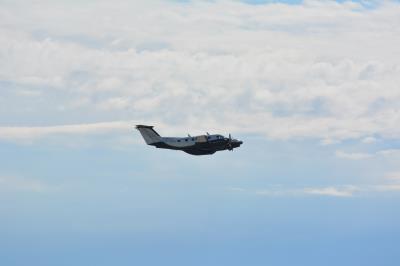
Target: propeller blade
(230, 142)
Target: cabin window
(179, 140)
(192, 139)
(186, 139)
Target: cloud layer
(32, 133)
(320, 69)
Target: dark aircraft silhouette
(197, 145)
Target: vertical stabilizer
(149, 134)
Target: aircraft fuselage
(195, 145)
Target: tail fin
(149, 134)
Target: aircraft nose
(238, 142)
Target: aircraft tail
(149, 134)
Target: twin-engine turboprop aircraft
(198, 145)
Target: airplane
(196, 145)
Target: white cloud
(392, 183)
(236, 189)
(332, 191)
(114, 103)
(28, 93)
(393, 176)
(31, 133)
(353, 156)
(328, 191)
(388, 187)
(389, 152)
(280, 192)
(284, 71)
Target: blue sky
(310, 87)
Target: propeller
(230, 143)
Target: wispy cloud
(275, 192)
(236, 189)
(387, 187)
(283, 191)
(393, 176)
(323, 191)
(32, 133)
(346, 191)
(353, 156)
(389, 152)
(363, 155)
